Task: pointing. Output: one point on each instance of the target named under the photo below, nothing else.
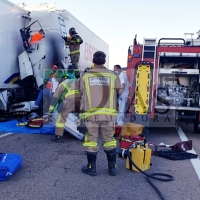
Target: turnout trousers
(75, 59)
(69, 106)
(106, 130)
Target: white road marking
(6, 134)
(195, 162)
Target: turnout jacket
(68, 89)
(99, 88)
(74, 43)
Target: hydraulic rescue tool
(138, 157)
(140, 154)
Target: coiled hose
(156, 176)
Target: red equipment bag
(127, 141)
(35, 123)
(184, 146)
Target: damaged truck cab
(24, 64)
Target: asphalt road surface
(52, 171)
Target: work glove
(64, 38)
(82, 128)
(47, 117)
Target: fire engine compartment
(178, 81)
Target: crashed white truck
(22, 69)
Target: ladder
(149, 49)
(149, 54)
(67, 59)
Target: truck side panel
(10, 40)
(91, 43)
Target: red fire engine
(164, 79)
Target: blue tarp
(10, 126)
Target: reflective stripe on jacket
(99, 93)
(74, 43)
(60, 92)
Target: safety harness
(67, 90)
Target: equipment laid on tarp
(9, 164)
(32, 122)
(49, 129)
(35, 123)
(11, 126)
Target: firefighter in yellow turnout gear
(99, 88)
(70, 96)
(74, 41)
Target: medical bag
(9, 164)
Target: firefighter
(99, 88)
(68, 95)
(74, 41)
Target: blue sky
(118, 21)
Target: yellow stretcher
(143, 76)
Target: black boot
(57, 138)
(90, 169)
(111, 156)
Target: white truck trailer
(22, 70)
